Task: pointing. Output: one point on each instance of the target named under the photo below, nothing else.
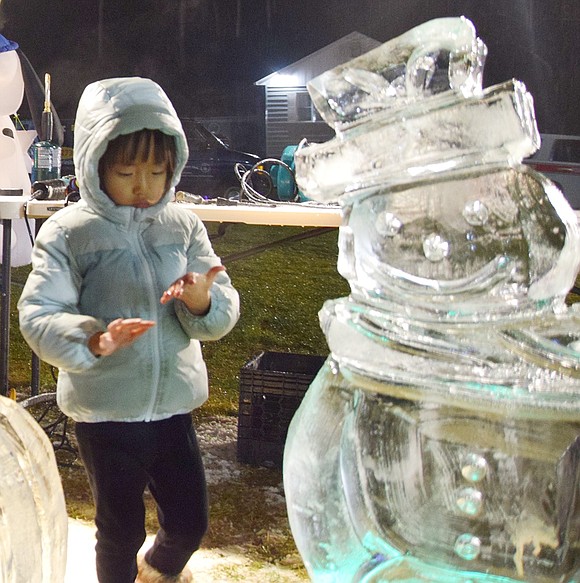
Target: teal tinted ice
(441, 440)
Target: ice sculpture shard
(33, 519)
(441, 440)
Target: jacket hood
(108, 109)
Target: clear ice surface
(441, 440)
(33, 519)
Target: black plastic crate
(272, 386)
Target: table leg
(35, 375)
(35, 360)
(5, 306)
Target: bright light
(284, 80)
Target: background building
(289, 113)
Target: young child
(123, 287)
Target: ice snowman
(440, 442)
(14, 161)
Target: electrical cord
(245, 178)
(27, 223)
(251, 195)
(65, 188)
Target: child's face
(140, 184)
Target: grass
(281, 290)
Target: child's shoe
(147, 574)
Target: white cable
(255, 197)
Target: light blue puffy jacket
(95, 261)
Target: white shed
(290, 115)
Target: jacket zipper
(156, 361)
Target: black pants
(121, 460)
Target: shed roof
(340, 51)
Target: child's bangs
(138, 146)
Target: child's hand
(193, 290)
(120, 332)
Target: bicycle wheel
(55, 424)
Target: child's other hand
(193, 290)
(120, 332)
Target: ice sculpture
(440, 442)
(33, 519)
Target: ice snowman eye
(436, 248)
(476, 213)
(388, 225)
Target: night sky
(207, 54)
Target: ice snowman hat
(438, 209)
(383, 104)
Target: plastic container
(272, 386)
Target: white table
(284, 214)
